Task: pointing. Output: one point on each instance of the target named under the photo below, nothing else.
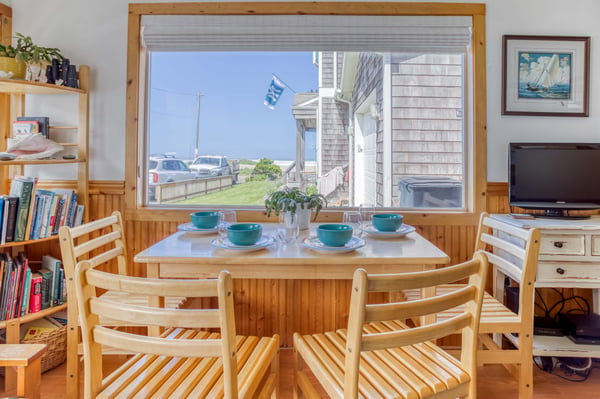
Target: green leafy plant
(30, 53)
(27, 51)
(289, 199)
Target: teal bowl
(205, 219)
(334, 235)
(244, 233)
(387, 221)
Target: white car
(167, 170)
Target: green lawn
(251, 193)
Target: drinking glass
(226, 219)
(288, 227)
(352, 218)
(366, 212)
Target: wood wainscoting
(261, 307)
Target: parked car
(165, 169)
(216, 165)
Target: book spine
(13, 204)
(59, 216)
(72, 208)
(23, 210)
(46, 287)
(26, 292)
(35, 300)
(30, 209)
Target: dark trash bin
(429, 192)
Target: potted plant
(31, 54)
(9, 64)
(296, 201)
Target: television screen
(554, 176)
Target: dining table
(203, 253)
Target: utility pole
(197, 126)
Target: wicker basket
(56, 352)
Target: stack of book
(30, 213)
(23, 291)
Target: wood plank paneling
(264, 307)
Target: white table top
(379, 255)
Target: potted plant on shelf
(296, 201)
(9, 64)
(26, 52)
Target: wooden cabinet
(14, 95)
(569, 258)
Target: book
(67, 196)
(10, 287)
(25, 128)
(35, 298)
(46, 287)
(72, 210)
(26, 292)
(4, 225)
(78, 215)
(46, 196)
(52, 215)
(21, 186)
(43, 123)
(30, 211)
(11, 221)
(34, 332)
(60, 214)
(34, 234)
(54, 265)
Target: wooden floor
(494, 383)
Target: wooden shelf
(27, 242)
(15, 86)
(25, 162)
(34, 316)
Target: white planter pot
(303, 218)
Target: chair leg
(526, 367)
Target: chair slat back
(465, 321)
(101, 238)
(92, 307)
(512, 252)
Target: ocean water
(556, 92)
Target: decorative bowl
(334, 235)
(387, 221)
(244, 233)
(205, 219)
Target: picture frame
(545, 75)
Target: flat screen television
(554, 177)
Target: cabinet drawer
(563, 245)
(596, 245)
(548, 271)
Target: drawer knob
(560, 270)
(558, 244)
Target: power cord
(573, 369)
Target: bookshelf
(13, 100)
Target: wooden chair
(103, 241)
(189, 359)
(379, 356)
(512, 253)
(27, 359)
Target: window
(390, 121)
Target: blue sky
(233, 119)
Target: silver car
(166, 170)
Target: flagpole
(286, 85)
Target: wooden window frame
(476, 147)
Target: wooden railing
(176, 191)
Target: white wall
(94, 32)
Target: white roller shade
(421, 34)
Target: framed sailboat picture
(545, 75)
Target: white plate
(401, 232)
(190, 228)
(315, 244)
(262, 242)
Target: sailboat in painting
(545, 75)
(548, 76)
